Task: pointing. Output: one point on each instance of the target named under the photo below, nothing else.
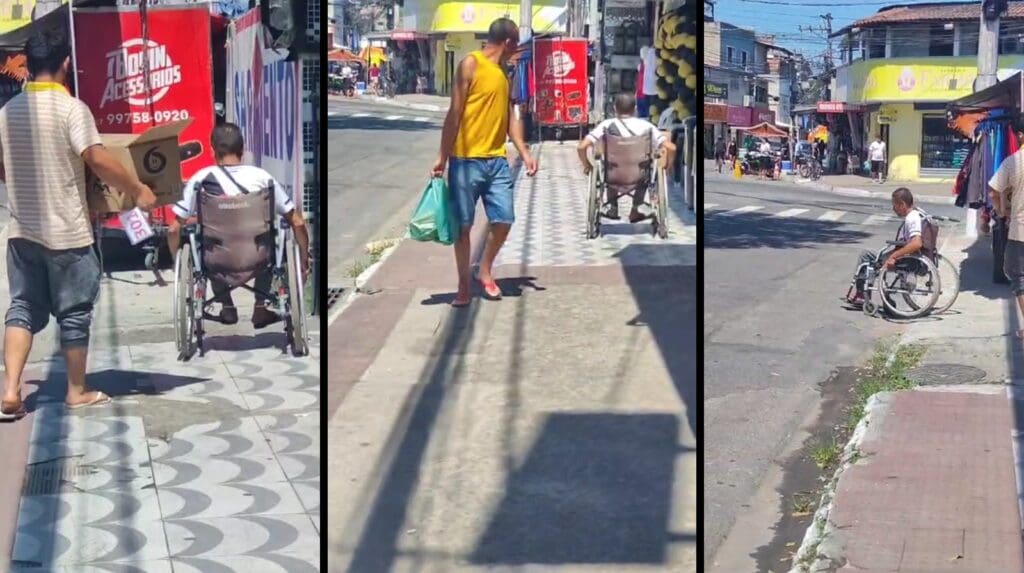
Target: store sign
(906, 79)
(836, 107)
(763, 116)
(739, 116)
(716, 90)
(887, 114)
(715, 113)
(561, 81)
(265, 100)
(131, 84)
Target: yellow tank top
(484, 126)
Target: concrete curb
(855, 192)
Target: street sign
(716, 90)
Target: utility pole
(827, 30)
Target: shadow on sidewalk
(756, 230)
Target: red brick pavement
(936, 492)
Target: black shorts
(876, 167)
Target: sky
(783, 18)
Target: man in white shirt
(625, 124)
(1005, 189)
(909, 238)
(876, 154)
(346, 72)
(232, 178)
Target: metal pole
(525, 20)
(315, 207)
(687, 168)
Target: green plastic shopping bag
(432, 221)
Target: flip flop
(99, 400)
(490, 294)
(13, 416)
(463, 304)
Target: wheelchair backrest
(929, 235)
(238, 234)
(628, 159)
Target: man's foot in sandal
(491, 289)
(11, 410)
(462, 297)
(94, 398)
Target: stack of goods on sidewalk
(676, 44)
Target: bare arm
(581, 150)
(110, 170)
(915, 245)
(515, 131)
(301, 236)
(460, 91)
(997, 201)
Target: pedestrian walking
(719, 154)
(478, 123)
(732, 154)
(876, 154)
(1006, 188)
(47, 137)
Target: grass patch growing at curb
(374, 251)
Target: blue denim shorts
(488, 180)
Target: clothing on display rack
(994, 141)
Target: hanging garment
(963, 177)
(975, 187)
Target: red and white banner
(264, 97)
(112, 58)
(560, 81)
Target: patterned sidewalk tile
(551, 220)
(230, 481)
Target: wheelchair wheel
(659, 224)
(295, 326)
(594, 203)
(184, 308)
(911, 289)
(949, 278)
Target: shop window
(731, 54)
(876, 43)
(941, 147)
(743, 57)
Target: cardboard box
(153, 156)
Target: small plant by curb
(374, 251)
(885, 372)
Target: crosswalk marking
(877, 220)
(832, 216)
(421, 119)
(741, 210)
(360, 115)
(710, 205)
(393, 117)
(790, 213)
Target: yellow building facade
(904, 100)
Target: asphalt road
(378, 157)
(773, 330)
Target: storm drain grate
(46, 478)
(334, 295)
(943, 374)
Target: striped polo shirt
(43, 133)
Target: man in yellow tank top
(479, 121)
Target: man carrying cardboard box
(47, 137)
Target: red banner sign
(560, 75)
(836, 107)
(113, 58)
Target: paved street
(211, 465)
(554, 430)
(378, 158)
(777, 259)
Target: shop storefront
(715, 126)
(454, 29)
(904, 101)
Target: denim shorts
(488, 180)
(44, 282)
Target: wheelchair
(628, 166)
(918, 284)
(233, 240)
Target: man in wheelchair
(625, 124)
(917, 234)
(229, 177)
